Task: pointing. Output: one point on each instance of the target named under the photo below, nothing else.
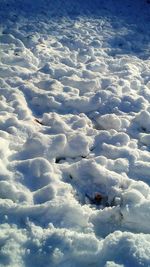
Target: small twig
(38, 121)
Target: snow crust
(74, 133)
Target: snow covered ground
(74, 133)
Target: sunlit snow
(74, 133)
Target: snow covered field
(74, 133)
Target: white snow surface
(74, 125)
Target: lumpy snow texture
(74, 133)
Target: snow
(74, 133)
